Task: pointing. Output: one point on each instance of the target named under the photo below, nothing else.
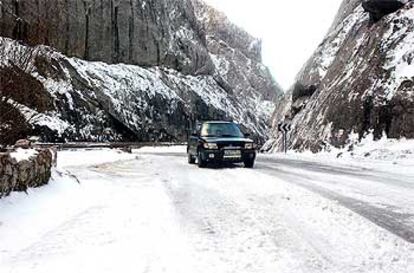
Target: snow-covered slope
(359, 80)
(137, 98)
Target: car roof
(217, 122)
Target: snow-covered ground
(389, 155)
(88, 157)
(152, 212)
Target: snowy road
(156, 213)
(387, 199)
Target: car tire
(191, 159)
(201, 163)
(249, 164)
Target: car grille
(231, 146)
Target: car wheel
(191, 159)
(249, 164)
(201, 163)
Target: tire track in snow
(395, 222)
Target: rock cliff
(133, 69)
(360, 79)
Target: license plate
(232, 153)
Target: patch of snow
(254, 44)
(23, 154)
(391, 154)
(162, 150)
(399, 43)
(88, 157)
(327, 52)
(49, 119)
(221, 64)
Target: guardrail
(109, 145)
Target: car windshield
(221, 130)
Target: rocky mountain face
(139, 70)
(359, 81)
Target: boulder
(21, 175)
(23, 143)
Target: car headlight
(249, 146)
(210, 146)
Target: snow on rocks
(400, 59)
(328, 51)
(362, 76)
(23, 154)
(146, 104)
(24, 168)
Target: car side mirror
(247, 135)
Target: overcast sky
(291, 30)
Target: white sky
(290, 29)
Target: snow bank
(41, 209)
(391, 154)
(162, 150)
(85, 157)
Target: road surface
(156, 213)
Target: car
(218, 142)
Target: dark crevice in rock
(67, 26)
(300, 91)
(158, 54)
(16, 8)
(131, 30)
(384, 121)
(380, 8)
(87, 12)
(116, 56)
(224, 85)
(368, 106)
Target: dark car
(220, 141)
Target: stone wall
(20, 175)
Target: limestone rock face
(143, 70)
(236, 55)
(359, 81)
(141, 32)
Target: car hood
(227, 139)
